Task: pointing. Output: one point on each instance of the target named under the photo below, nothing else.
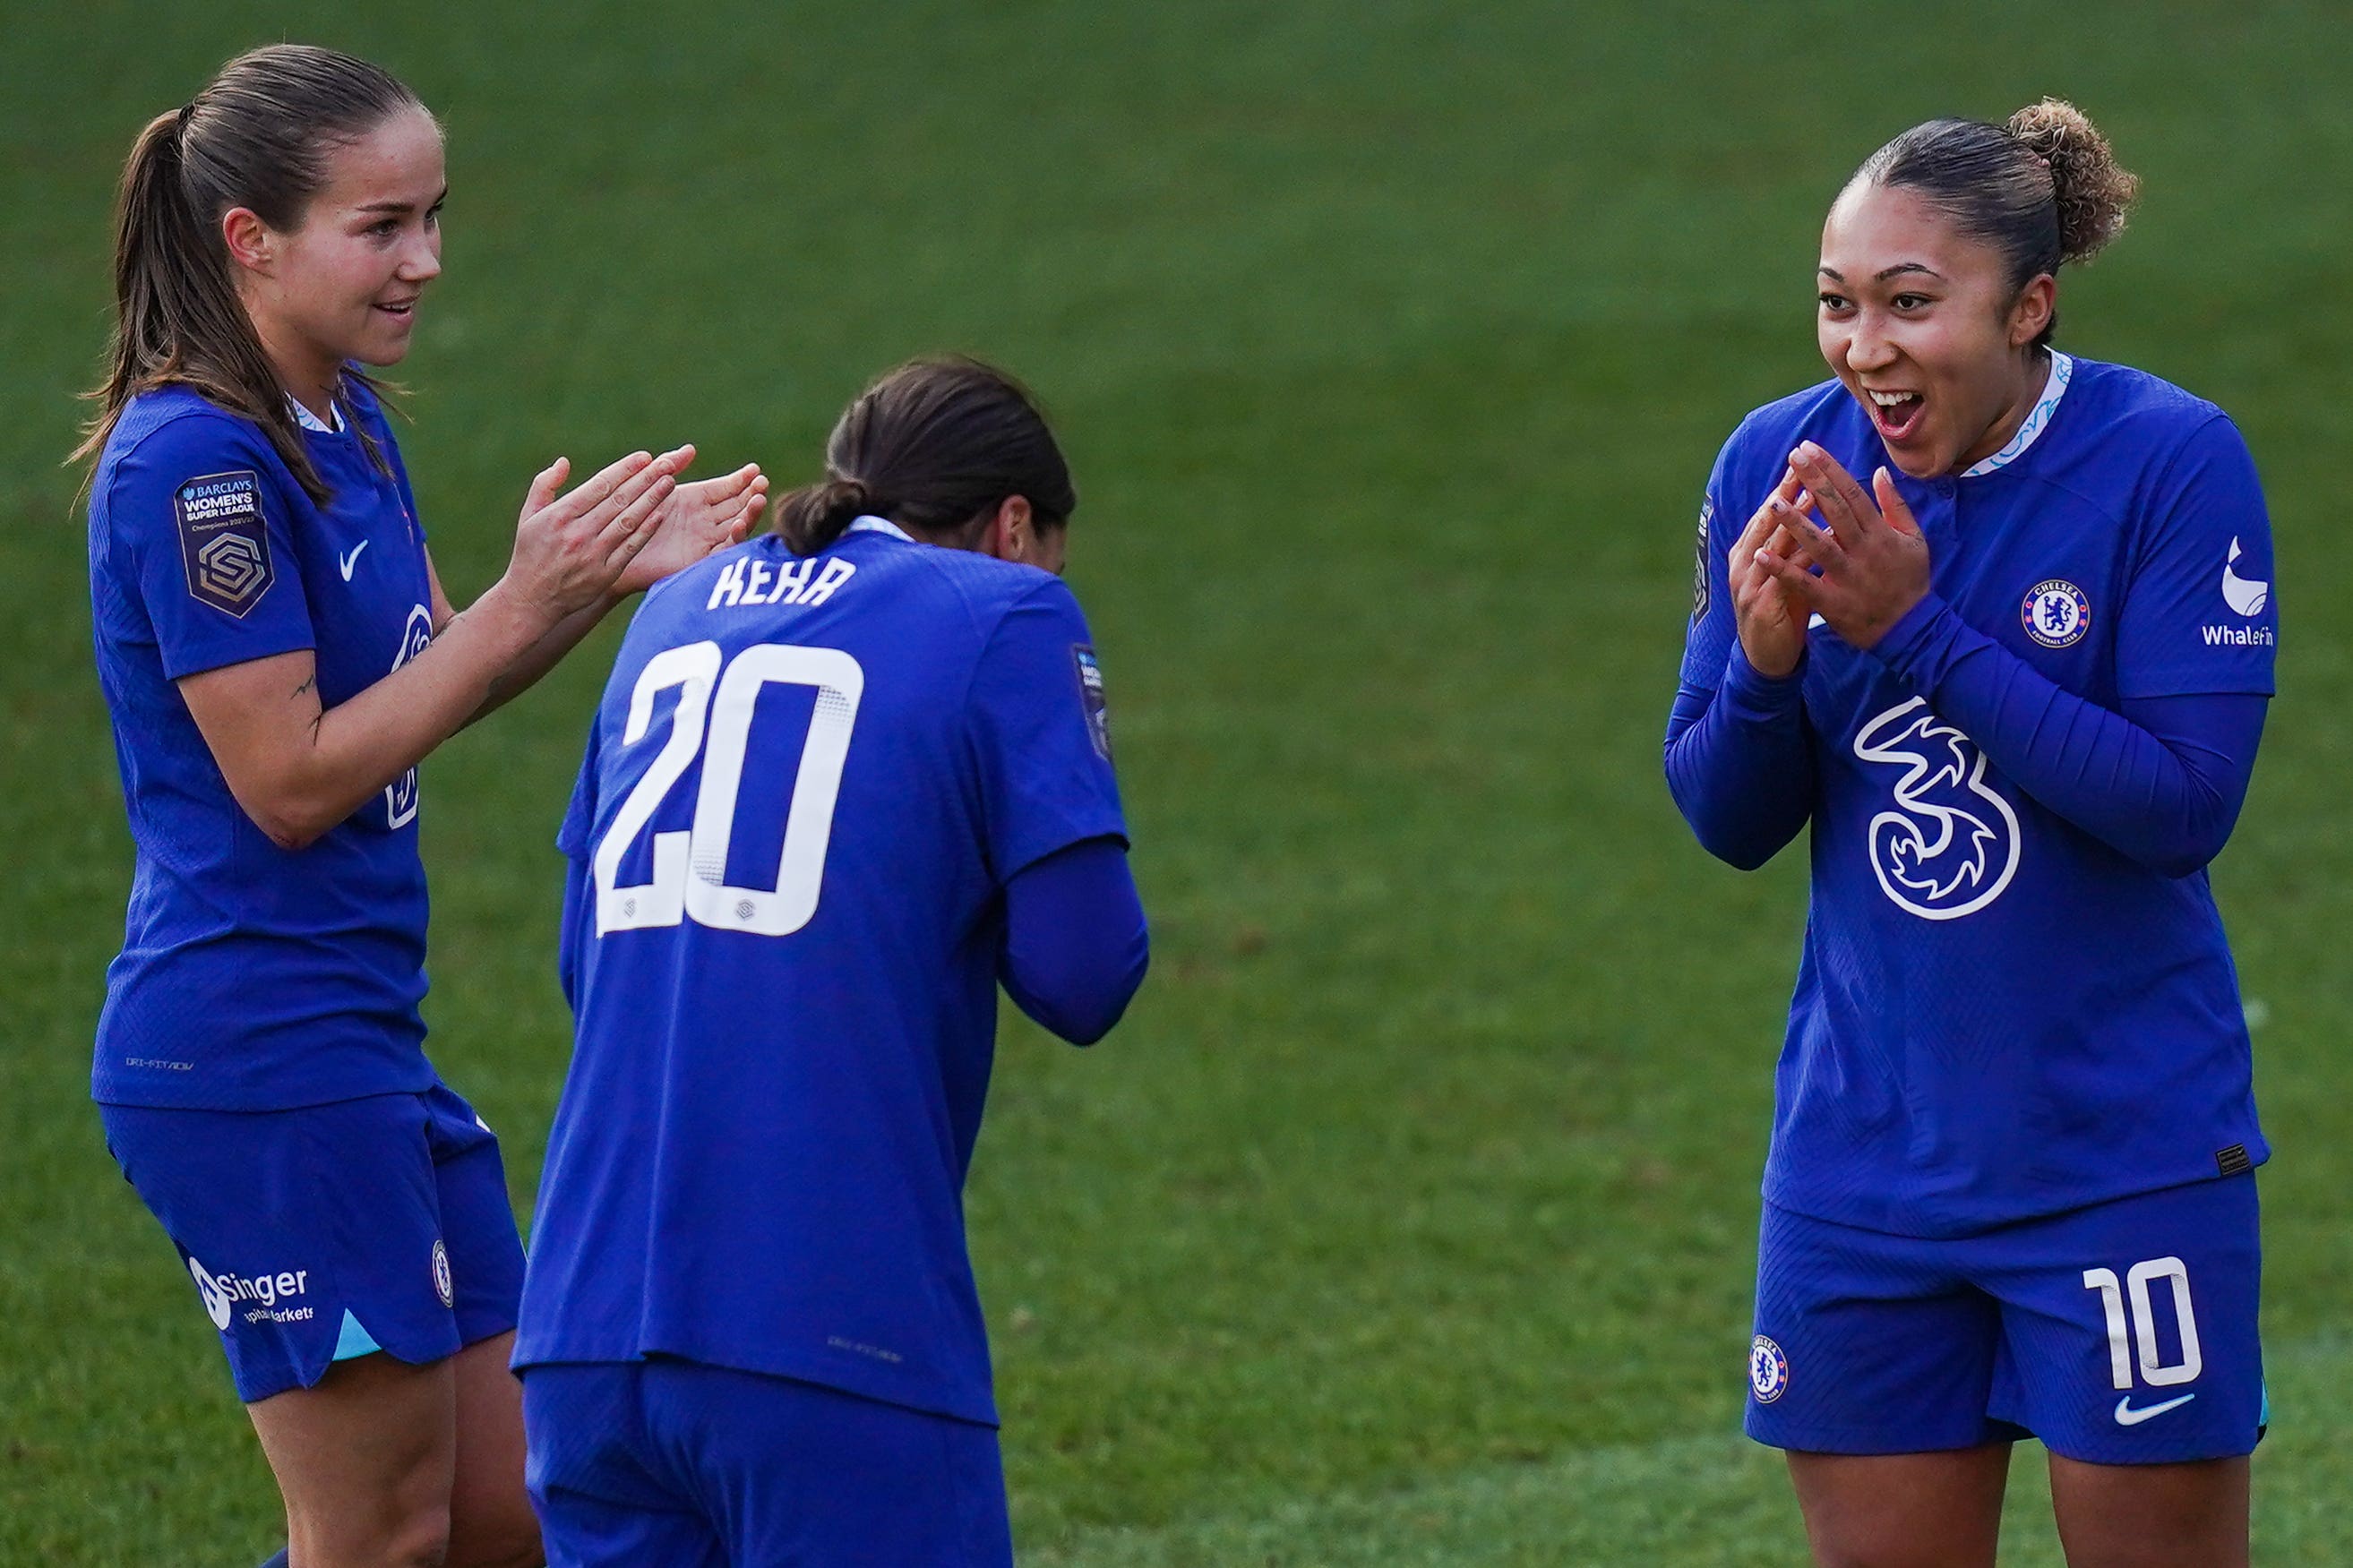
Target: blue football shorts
(317, 1235)
(2120, 1334)
(689, 1466)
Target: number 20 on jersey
(712, 718)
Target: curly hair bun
(2094, 194)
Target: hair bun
(2093, 194)
(842, 501)
(813, 516)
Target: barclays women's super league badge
(224, 544)
(2057, 613)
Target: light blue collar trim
(309, 421)
(870, 524)
(2038, 419)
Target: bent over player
(845, 780)
(2015, 682)
(277, 656)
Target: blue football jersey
(1998, 1017)
(808, 782)
(254, 978)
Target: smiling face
(1921, 323)
(344, 283)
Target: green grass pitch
(1409, 1218)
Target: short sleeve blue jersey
(808, 782)
(253, 977)
(1996, 1015)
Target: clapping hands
(1862, 567)
(696, 519)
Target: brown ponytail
(813, 516)
(258, 136)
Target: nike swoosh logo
(2127, 1416)
(348, 561)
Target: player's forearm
(2168, 800)
(1076, 945)
(1740, 766)
(354, 749)
(524, 672)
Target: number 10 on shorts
(2154, 1369)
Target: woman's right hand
(1771, 624)
(571, 548)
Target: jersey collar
(309, 421)
(2038, 419)
(870, 524)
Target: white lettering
(283, 1315)
(837, 571)
(730, 585)
(209, 507)
(267, 1288)
(2240, 636)
(793, 580)
(796, 581)
(837, 1342)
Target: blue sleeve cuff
(1755, 694)
(1906, 646)
(1075, 944)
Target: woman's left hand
(696, 519)
(1863, 568)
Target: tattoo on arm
(309, 684)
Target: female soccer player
(277, 656)
(2016, 684)
(844, 780)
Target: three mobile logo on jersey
(400, 794)
(1951, 844)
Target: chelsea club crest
(2057, 613)
(1768, 1370)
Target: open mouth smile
(1897, 413)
